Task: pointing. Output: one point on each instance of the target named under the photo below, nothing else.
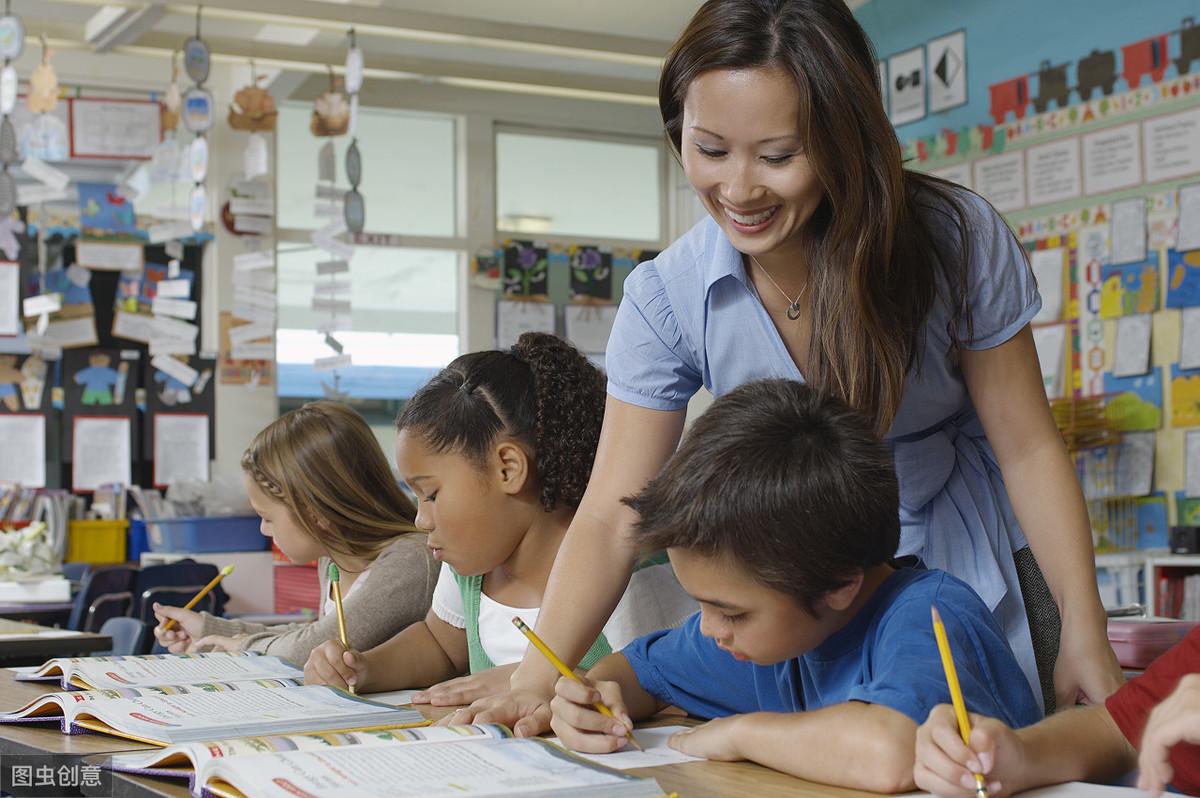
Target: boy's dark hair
(791, 483)
(542, 392)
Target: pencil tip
(933, 611)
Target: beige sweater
(396, 593)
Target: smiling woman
(825, 261)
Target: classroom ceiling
(608, 50)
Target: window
(562, 185)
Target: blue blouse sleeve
(1001, 287)
(646, 360)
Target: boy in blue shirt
(813, 651)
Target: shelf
(1175, 561)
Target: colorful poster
(1183, 286)
(102, 212)
(1130, 288)
(1136, 403)
(1185, 397)
(526, 269)
(1153, 529)
(1091, 255)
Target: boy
(812, 651)
(1096, 743)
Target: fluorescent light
(286, 34)
(102, 20)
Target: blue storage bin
(233, 533)
(136, 543)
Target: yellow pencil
(960, 706)
(600, 706)
(335, 582)
(204, 591)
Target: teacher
(825, 261)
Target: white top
(660, 601)
(328, 607)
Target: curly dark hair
(542, 392)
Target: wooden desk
(46, 612)
(29, 644)
(690, 780)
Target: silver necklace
(793, 309)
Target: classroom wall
(1007, 38)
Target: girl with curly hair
(498, 447)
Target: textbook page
(525, 767)
(1072, 789)
(204, 715)
(160, 669)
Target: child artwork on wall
(103, 212)
(1136, 402)
(1130, 288)
(1183, 286)
(591, 273)
(23, 383)
(526, 269)
(97, 380)
(102, 384)
(1185, 397)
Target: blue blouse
(691, 317)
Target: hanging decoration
(331, 111)
(172, 101)
(253, 109)
(198, 118)
(353, 208)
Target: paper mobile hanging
(253, 108)
(198, 118)
(12, 36)
(331, 112)
(43, 84)
(353, 207)
(172, 101)
(12, 42)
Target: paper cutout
(1185, 397)
(1135, 403)
(1130, 288)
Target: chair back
(176, 574)
(106, 606)
(98, 582)
(128, 636)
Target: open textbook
(482, 760)
(211, 710)
(156, 669)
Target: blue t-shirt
(886, 655)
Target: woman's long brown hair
(875, 267)
(323, 462)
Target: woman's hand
(467, 689)
(180, 637)
(1086, 665)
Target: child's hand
(1175, 720)
(947, 767)
(188, 626)
(332, 664)
(216, 643)
(580, 726)
(466, 689)
(716, 739)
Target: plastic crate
(137, 541)
(297, 588)
(232, 533)
(99, 541)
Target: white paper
(331, 289)
(1001, 180)
(1047, 265)
(23, 441)
(263, 280)
(133, 326)
(323, 305)
(253, 352)
(78, 275)
(10, 298)
(109, 257)
(45, 174)
(257, 298)
(333, 362)
(172, 346)
(907, 86)
(177, 308)
(119, 129)
(1133, 346)
(37, 194)
(41, 304)
(959, 173)
(327, 267)
(70, 333)
(174, 289)
(588, 326)
(180, 448)
(1129, 230)
(1192, 465)
(175, 368)
(254, 315)
(167, 231)
(253, 207)
(100, 452)
(1189, 339)
(1172, 145)
(262, 225)
(1188, 237)
(1053, 171)
(514, 318)
(1112, 159)
(395, 698)
(947, 73)
(1049, 342)
(657, 752)
(250, 261)
(250, 332)
(1135, 464)
(174, 328)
